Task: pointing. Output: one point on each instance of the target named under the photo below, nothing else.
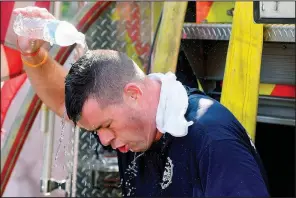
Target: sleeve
(227, 168)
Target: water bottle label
(51, 27)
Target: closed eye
(108, 126)
(104, 126)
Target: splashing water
(82, 48)
(60, 139)
(90, 144)
(69, 152)
(136, 157)
(131, 172)
(85, 46)
(88, 163)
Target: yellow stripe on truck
(169, 38)
(266, 89)
(242, 72)
(218, 12)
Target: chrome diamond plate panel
(272, 33)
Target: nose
(105, 136)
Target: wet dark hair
(101, 74)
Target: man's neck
(157, 90)
(154, 87)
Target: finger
(44, 16)
(43, 9)
(47, 15)
(50, 16)
(35, 13)
(44, 13)
(18, 10)
(25, 12)
(31, 11)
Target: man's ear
(132, 93)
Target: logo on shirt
(168, 174)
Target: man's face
(129, 125)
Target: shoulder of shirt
(207, 111)
(212, 122)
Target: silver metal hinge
(47, 186)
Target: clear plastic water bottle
(57, 32)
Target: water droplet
(61, 136)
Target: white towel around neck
(173, 104)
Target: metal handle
(51, 185)
(72, 191)
(262, 6)
(47, 184)
(47, 123)
(276, 8)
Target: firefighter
(172, 140)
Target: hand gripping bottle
(57, 32)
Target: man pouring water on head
(190, 144)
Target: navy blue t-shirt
(215, 158)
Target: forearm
(47, 80)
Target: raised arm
(45, 74)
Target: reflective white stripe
(15, 106)
(4, 65)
